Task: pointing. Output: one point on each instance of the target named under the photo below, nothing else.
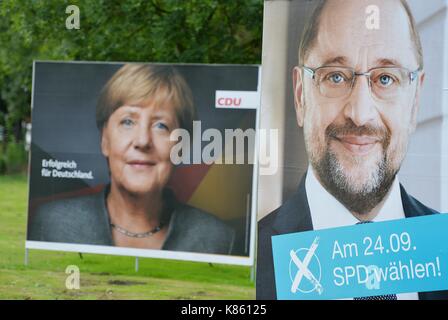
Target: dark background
(64, 128)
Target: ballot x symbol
(303, 269)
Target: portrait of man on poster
(357, 91)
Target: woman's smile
(141, 164)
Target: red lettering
(229, 102)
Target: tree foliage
(189, 31)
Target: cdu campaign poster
(141, 159)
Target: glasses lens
(389, 83)
(334, 82)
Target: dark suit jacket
(294, 216)
(85, 220)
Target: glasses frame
(312, 73)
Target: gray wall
(425, 169)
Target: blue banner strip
(399, 256)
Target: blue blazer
(295, 216)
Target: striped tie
(381, 297)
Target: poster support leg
(26, 257)
(136, 264)
(252, 273)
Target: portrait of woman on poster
(137, 110)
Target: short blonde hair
(135, 83)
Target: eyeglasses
(385, 83)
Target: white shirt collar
(328, 212)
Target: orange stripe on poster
(223, 192)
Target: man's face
(357, 142)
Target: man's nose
(143, 139)
(360, 107)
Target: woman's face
(136, 141)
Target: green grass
(102, 276)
